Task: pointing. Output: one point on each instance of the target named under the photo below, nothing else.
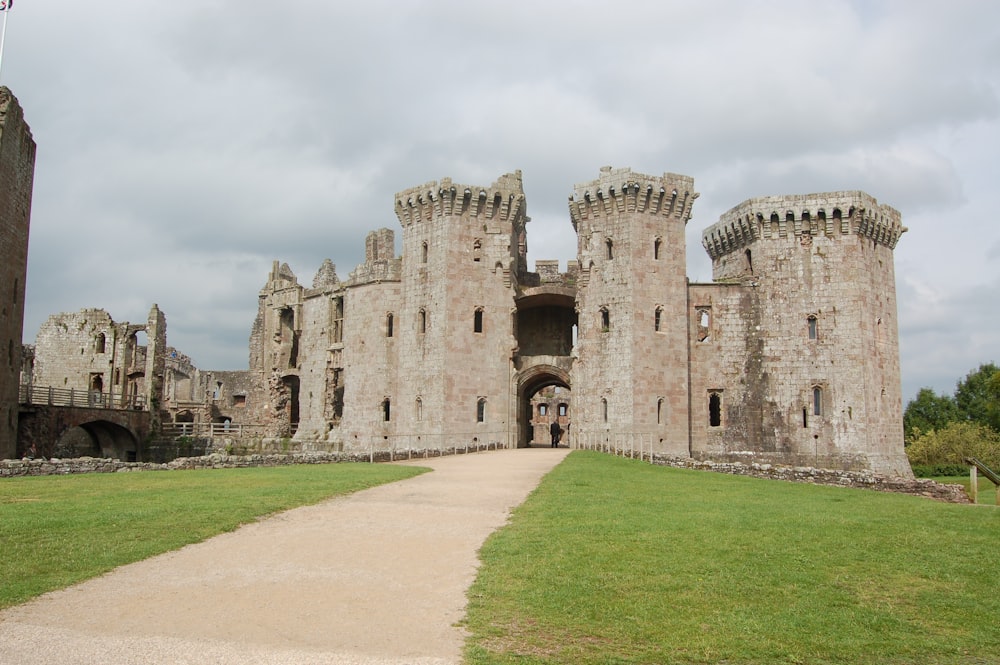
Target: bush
(953, 443)
(939, 470)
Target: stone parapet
(504, 199)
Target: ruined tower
(810, 335)
(631, 374)
(17, 169)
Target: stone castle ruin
(790, 356)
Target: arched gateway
(545, 327)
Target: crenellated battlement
(503, 200)
(828, 214)
(620, 190)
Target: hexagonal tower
(17, 171)
(631, 375)
(811, 332)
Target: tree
(977, 397)
(953, 443)
(928, 412)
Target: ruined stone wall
(17, 169)
(818, 270)
(88, 352)
(631, 375)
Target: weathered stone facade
(790, 356)
(17, 169)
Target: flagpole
(3, 36)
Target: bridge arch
(98, 438)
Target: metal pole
(3, 34)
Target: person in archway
(555, 431)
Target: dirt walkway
(378, 577)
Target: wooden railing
(211, 430)
(92, 399)
(974, 466)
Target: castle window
(805, 417)
(100, 343)
(422, 321)
(388, 325)
(749, 261)
(704, 316)
(609, 245)
(477, 247)
(543, 409)
(218, 390)
(481, 410)
(817, 401)
(240, 401)
(659, 411)
(477, 320)
(419, 408)
(714, 409)
(656, 249)
(423, 252)
(386, 410)
(563, 409)
(658, 319)
(811, 322)
(605, 319)
(604, 409)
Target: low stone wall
(57, 467)
(856, 479)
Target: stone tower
(817, 381)
(631, 372)
(17, 170)
(463, 246)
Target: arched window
(605, 319)
(817, 401)
(604, 409)
(419, 409)
(388, 324)
(658, 319)
(714, 409)
(386, 410)
(481, 410)
(659, 411)
(656, 249)
(422, 321)
(610, 247)
(477, 320)
(811, 323)
(423, 252)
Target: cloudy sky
(182, 147)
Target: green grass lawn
(59, 530)
(614, 561)
(987, 490)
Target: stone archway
(529, 381)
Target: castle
(790, 356)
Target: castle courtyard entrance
(545, 325)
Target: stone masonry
(17, 169)
(789, 357)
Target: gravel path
(375, 578)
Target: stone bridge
(92, 426)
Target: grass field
(615, 561)
(59, 530)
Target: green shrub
(939, 470)
(953, 443)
